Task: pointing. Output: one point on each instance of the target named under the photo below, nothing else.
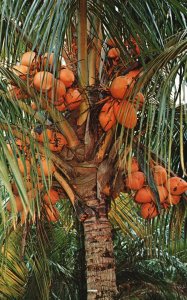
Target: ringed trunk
(100, 262)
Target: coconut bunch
(38, 72)
(120, 107)
(49, 201)
(131, 45)
(170, 189)
(44, 168)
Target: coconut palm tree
(91, 168)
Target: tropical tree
(80, 148)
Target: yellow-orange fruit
(21, 71)
(125, 114)
(173, 199)
(43, 81)
(122, 85)
(18, 204)
(57, 142)
(57, 92)
(111, 42)
(176, 185)
(138, 101)
(160, 175)
(135, 181)
(52, 213)
(132, 165)
(163, 193)
(62, 106)
(28, 59)
(51, 197)
(20, 144)
(106, 117)
(73, 99)
(24, 167)
(144, 195)
(46, 134)
(67, 77)
(34, 106)
(46, 167)
(165, 205)
(113, 53)
(149, 211)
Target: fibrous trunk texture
(101, 277)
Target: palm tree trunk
(101, 277)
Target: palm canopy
(159, 29)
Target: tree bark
(100, 262)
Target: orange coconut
(138, 101)
(67, 77)
(163, 193)
(149, 211)
(51, 213)
(125, 114)
(160, 175)
(57, 92)
(18, 204)
(144, 195)
(113, 53)
(73, 99)
(106, 117)
(20, 144)
(57, 142)
(34, 106)
(111, 42)
(51, 197)
(122, 85)
(132, 165)
(43, 81)
(135, 181)
(28, 59)
(46, 134)
(173, 199)
(165, 205)
(46, 167)
(176, 185)
(21, 71)
(62, 106)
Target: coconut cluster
(37, 72)
(121, 107)
(132, 49)
(169, 189)
(44, 168)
